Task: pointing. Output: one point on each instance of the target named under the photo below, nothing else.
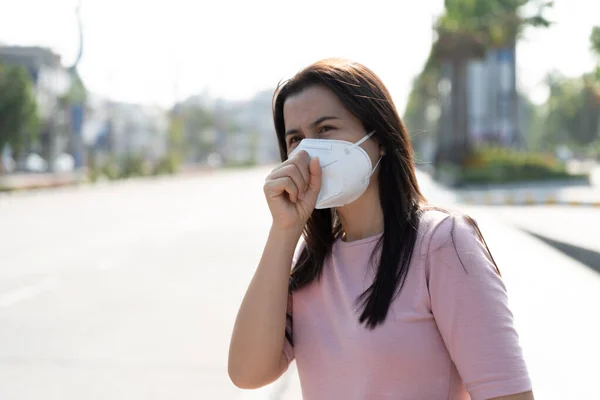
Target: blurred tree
(465, 31)
(572, 112)
(175, 139)
(424, 94)
(491, 23)
(19, 121)
(595, 46)
(571, 115)
(595, 41)
(532, 119)
(197, 121)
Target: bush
(134, 165)
(240, 164)
(501, 165)
(169, 164)
(111, 171)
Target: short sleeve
(469, 302)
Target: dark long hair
(365, 96)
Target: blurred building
(51, 82)
(241, 132)
(50, 78)
(254, 139)
(256, 118)
(121, 129)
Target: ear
(381, 150)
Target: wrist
(288, 234)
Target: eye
(325, 128)
(294, 139)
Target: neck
(363, 218)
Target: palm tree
(466, 31)
(595, 76)
(595, 47)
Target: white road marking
(27, 292)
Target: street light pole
(77, 104)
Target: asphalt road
(130, 290)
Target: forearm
(258, 335)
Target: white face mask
(346, 167)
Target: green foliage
(572, 113)
(240, 164)
(197, 119)
(134, 165)
(496, 22)
(195, 122)
(469, 27)
(19, 121)
(175, 136)
(424, 93)
(595, 41)
(169, 164)
(109, 170)
(502, 165)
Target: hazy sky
(156, 51)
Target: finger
(279, 186)
(293, 172)
(302, 154)
(301, 161)
(316, 173)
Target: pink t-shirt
(448, 335)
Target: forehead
(310, 104)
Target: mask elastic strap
(361, 141)
(374, 168)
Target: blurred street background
(134, 142)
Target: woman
(388, 298)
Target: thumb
(314, 168)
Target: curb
(523, 199)
(10, 184)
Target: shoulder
(439, 228)
(451, 239)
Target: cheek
(373, 152)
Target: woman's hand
(292, 190)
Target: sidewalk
(546, 193)
(575, 230)
(587, 196)
(35, 181)
(19, 182)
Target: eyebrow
(317, 122)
